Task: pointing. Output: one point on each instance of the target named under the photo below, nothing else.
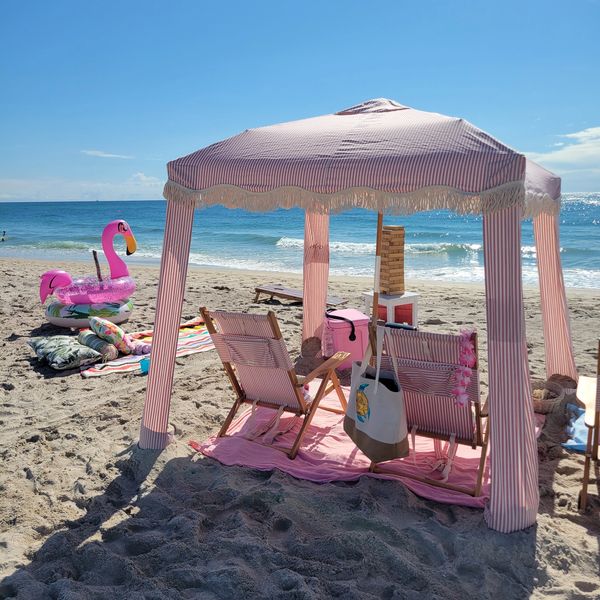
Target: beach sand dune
(84, 514)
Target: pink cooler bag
(345, 330)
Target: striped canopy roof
(378, 155)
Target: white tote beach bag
(376, 417)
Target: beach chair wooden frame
(297, 404)
(443, 431)
(588, 392)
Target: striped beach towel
(193, 338)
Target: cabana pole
(154, 432)
(558, 344)
(514, 494)
(376, 282)
(315, 273)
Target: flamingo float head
(118, 268)
(52, 280)
(121, 227)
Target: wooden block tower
(392, 260)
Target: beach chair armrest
(331, 363)
(485, 412)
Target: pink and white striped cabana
(383, 156)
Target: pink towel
(138, 347)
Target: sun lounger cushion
(63, 352)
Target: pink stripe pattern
(173, 270)
(425, 364)
(243, 324)
(316, 273)
(513, 449)
(252, 351)
(558, 343)
(261, 361)
(368, 156)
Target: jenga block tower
(392, 260)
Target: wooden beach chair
(588, 392)
(259, 367)
(425, 364)
(279, 290)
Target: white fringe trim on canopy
(432, 198)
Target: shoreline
(359, 279)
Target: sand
(84, 514)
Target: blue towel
(576, 429)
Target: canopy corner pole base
(154, 440)
(154, 432)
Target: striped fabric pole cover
(171, 287)
(316, 273)
(513, 449)
(558, 343)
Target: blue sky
(96, 97)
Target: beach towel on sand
(577, 430)
(193, 338)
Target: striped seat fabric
(262, 366)
(261, 372)
(427, 365)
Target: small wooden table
(279, 290)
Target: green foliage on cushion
(63, 352)
(91, 340)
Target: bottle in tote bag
(376, 417)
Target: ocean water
(440, 245)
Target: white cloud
(103, 154)
(577, 159)
(582, 150)
(138, 186)
(145, 179)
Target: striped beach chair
(259, 367)
(588, 392)
(428, 366)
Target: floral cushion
(111, 333)
(63, 352)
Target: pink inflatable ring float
(89, 290)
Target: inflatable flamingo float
(80, 299)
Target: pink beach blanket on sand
(327, 454)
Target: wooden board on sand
(279, 290)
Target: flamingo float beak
(130, 242)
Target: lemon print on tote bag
(363, 412)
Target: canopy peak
(377, 105)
